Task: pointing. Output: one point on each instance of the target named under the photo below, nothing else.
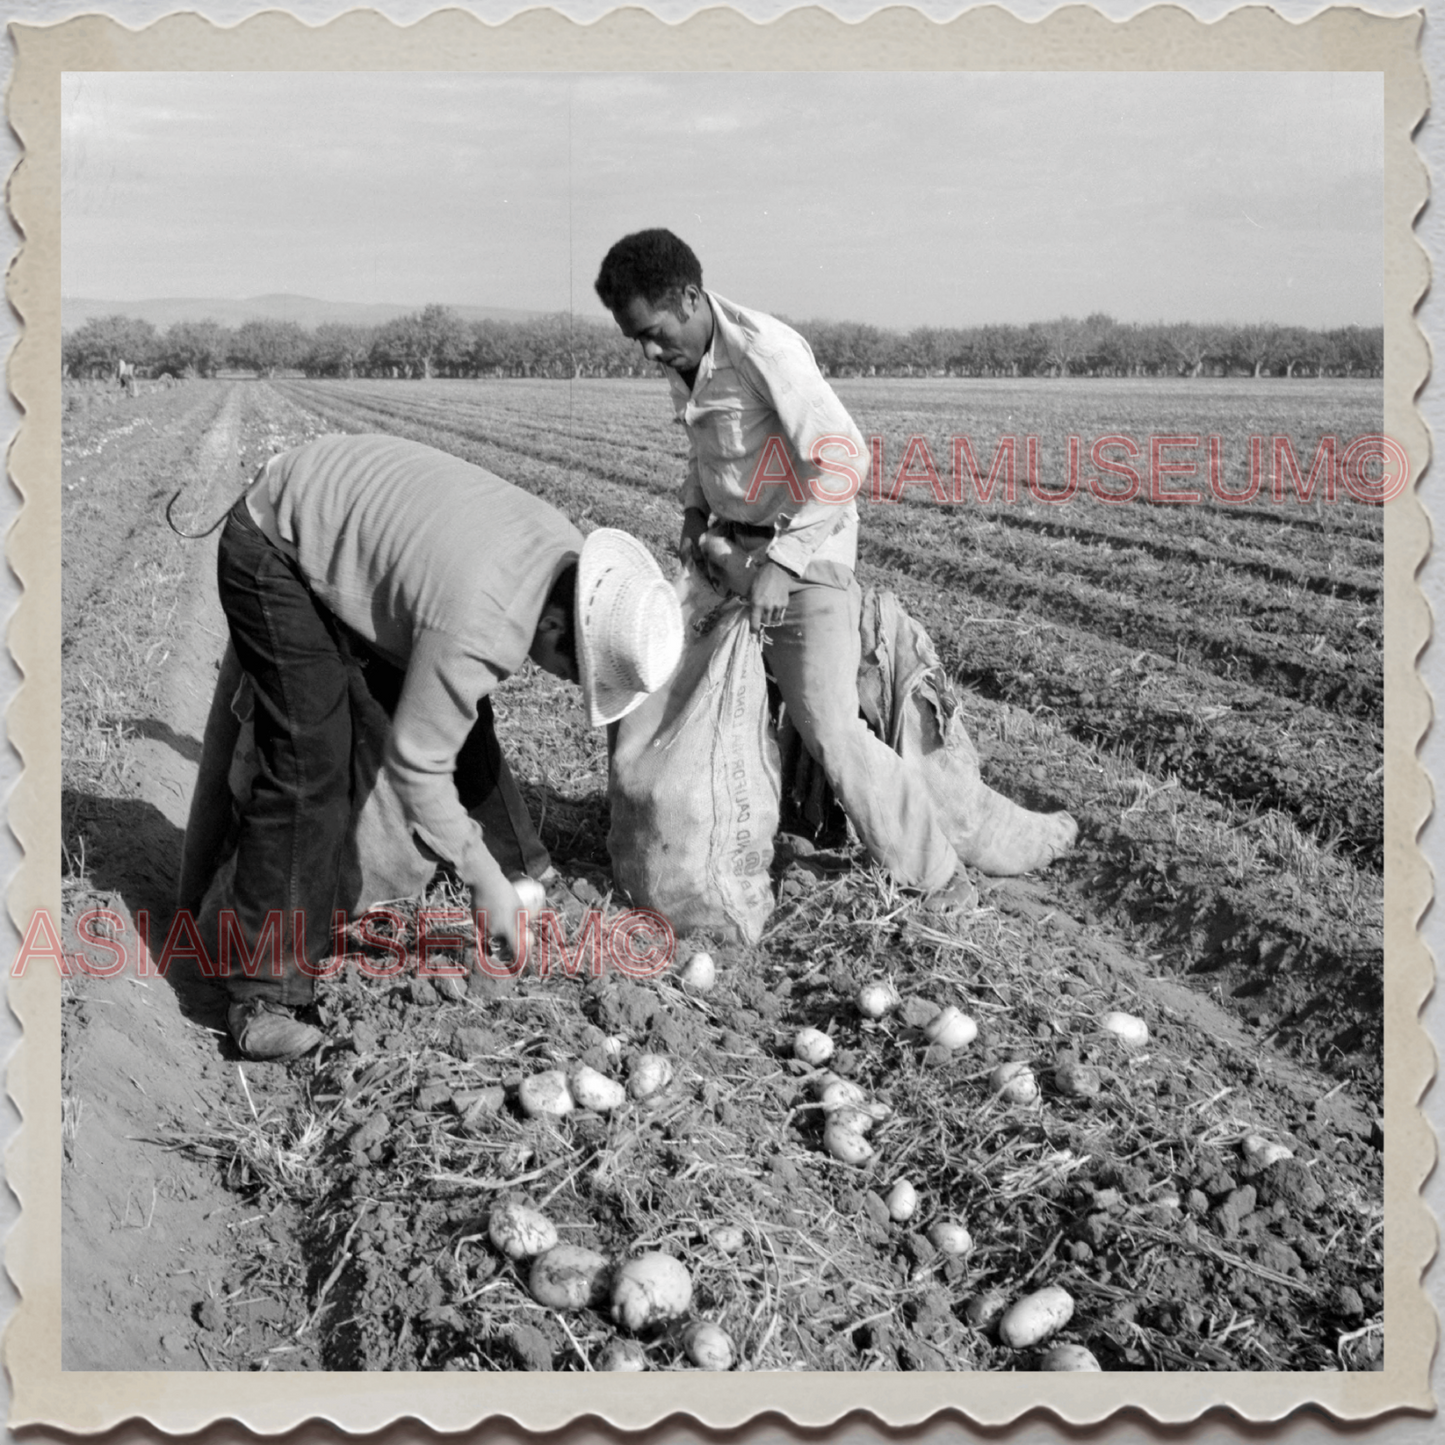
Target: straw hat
(629, 625)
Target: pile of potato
(850, 1115)
(654, 1289)
(643, 1293)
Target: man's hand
(493, 894)
(694, 524)
(768, 599)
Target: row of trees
(436, 341)
(1098, 346)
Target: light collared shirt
(442, 568)
(758, 380)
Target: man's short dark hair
(564, 595)
(655, 265)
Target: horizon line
(602, 316)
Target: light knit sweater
(440, 566)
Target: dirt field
(1199, 685)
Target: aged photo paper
(1212, 1152)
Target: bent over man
(757, 409)
(444, 579)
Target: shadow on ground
(130, 852)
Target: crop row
(1054, 411)
(1349, 570)
(111, 454)
(1329, 559)
(611, 427)
(1183, 613)
(911, 467)
(1350, 627)
(1246, 748)
(454, 424)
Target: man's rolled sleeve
(436, 712)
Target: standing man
(445, 579)
(757, 409)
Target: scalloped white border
(179, 1402)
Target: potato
(532, 894)
(1262, 1152)
(1014, 1083)
(836, 1093)
(1069, 1357)
(902, 1201)
(812, 1046)
(846, 1144)
(952, 1028)
(569, 1277)
(520, 1231)
(860, 1121)
(545, 1094)
(1035, 1317)
(949, 1238)
(623, 1355)
(709, 1346)
(1133, 1032)
(650, 1074)
(595, 1091)
(650, 1290)
(700, 972)
(727, 1239)
(876, 999)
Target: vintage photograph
(722, 721)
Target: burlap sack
(695, 783)
(908, 700)
(906, 696)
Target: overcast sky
(902, 200)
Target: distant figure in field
(125, 376)
(757, 409)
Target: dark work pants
(294, 828)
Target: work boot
(266, 1030)
(956, 900)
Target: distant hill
(305, 311)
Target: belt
(747, 531)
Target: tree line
(436, 341)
